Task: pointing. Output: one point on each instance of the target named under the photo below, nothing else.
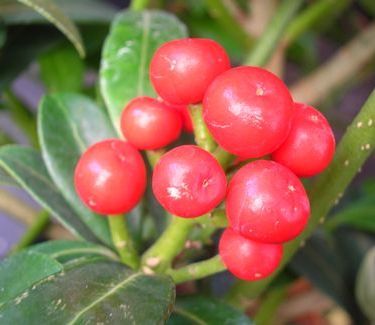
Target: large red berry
(266, 202)
(110, 177)
(181, 70)
(310, 145)
(186, 117)
(188, 181)
(248, 110)
(150, 124)
(247, 259)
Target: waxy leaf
(27, 168)
(99, 292)
(21, 271)
(67, 125)
(127, 52)
(206, 311)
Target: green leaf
(67, 125)
(21, 271)
(127, 52)
(61, 69)
(202, 310)
(99, 292)
(26, 166)
(57, 17)
(365, 285)
(67, 250)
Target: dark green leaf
(365, 285)
(57, 17)
(21, 271)
(206, 311)
(2, 35)
(67, 125)
(127, 52)
(100, 292)
(67, 250)
(61, 69)
(26, 166)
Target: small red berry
(247, 259)
(310, 145)
(188, 181)
(150, 124)
(248, 110)
(186, 118)
(110, 177)
(266, 202)
(181, 70)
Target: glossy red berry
(248, 110)
(150, 124)
(110, 177)
(310, 145)
(247, 259)
(266, 202)
(181, 70)
(188, 181)
(186, 118)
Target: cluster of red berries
(250, 113)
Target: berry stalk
(122, 240)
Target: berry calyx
(188, 181)
(248, 111)
(110, 177)
(181, 70)
(310, 145)
(266, 202)
(150, 124)
(247, 259)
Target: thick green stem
(354, 148)
(268, 42)
(138, 5)
(153, 156)
(197, 270)
(203, 138)
(35, 229)
(224, 158)
(159, 256)
(122, 240)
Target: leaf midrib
(189, 315)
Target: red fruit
(266, 202)
(248, 111)
(150, 124)
(188, 181)
(247, 259)
(181, 70)
(110, 177)
(186, 118)
(310, 145)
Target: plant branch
(122, 240)
(159, 256)
(345, 64)
(353, 150)
(268, 42)
(197, 270)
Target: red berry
(310, 145)
(110, 177)
(150, 124)
(247, 259)
(188, 181)
(266, 202)
(248, 110)
(181, 70)
(186, 118)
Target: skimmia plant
(178, 133)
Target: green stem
(268, 42)
(224, 158)
(122, 240)
(35, 229)
(203, 138)
(218, 11)
(138, 5)
(197, 270)
(354, 148)
(160, 255)
(153, 156)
